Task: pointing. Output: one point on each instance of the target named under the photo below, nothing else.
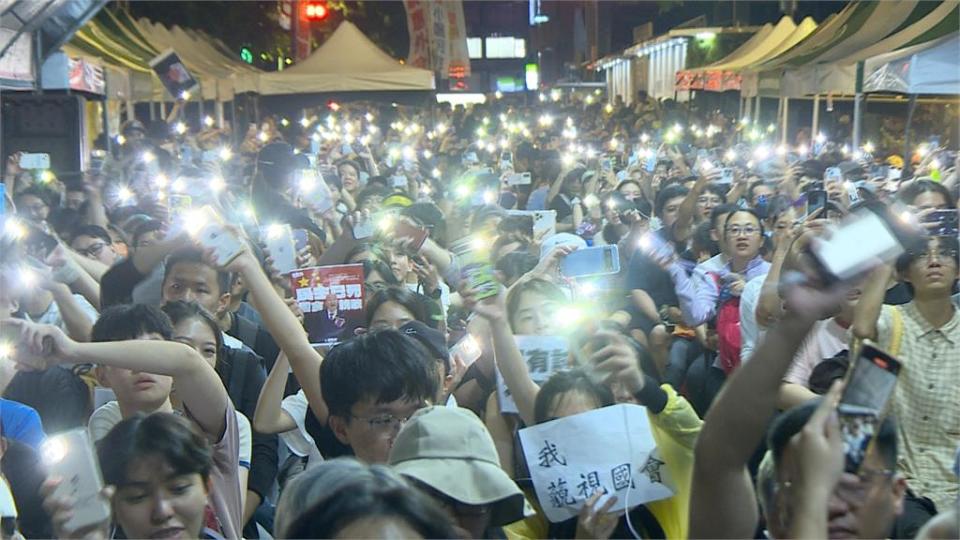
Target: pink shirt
(224, 476)
(825, 340)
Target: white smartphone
(468, 349)
(314, 192)
(518, 179)
(278, 239)
(34, 161)
(70, 456)
(214, 235)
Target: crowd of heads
(214, 413)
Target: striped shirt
(927, 401)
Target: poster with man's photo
(174, 74)
(331, 298)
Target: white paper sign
(544, 355)
(610, 449)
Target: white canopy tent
(347, 62)
(928, 68)
(830, 74)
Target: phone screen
(946, 220)
(869, 388)
(816, 200)
(591, 261)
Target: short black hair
(144, 228)
(566, 381)
(376, 492)
(413, 302)
(672, 191)
(372, 190)
(194, 255)
(515, 264)
(129, 321)
(727, 208)
(383, 365)
(165, 435)
(93, 231)
(717, 189)
(792, 421)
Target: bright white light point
(262, 136)
(180, 128)
(148, 157)
(821, 138)
(644, 138)
(225, 154)
(305, 122)
(124, 194)
(427, 154)
(489, 197)
(217, 184)
(435, 172)
(274, 231)
(207, 121)
(408, 153)
(463, 191)
(730, 155)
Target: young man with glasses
(94, 243)
(928, 387)
(362, 391)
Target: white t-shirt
(108, 415)
(298, 440)
(750, 331)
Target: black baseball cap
(432, 339)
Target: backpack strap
(896, 330)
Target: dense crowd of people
(148, 302)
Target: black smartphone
(946, 220)
(38, 243)
(816, 200)
(869, 387)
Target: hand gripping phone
(591, 261)
(869, 387)
(70, 456)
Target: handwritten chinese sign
(545, 355)
(331, 298)
(610, 449)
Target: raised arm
(509, 360)
(867, 310)
(285, 329)
(270, 416)
(688, 209)
(198, 385)
(723, 503)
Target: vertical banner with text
(438, 37)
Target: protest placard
(610, 449)
(544, 355)
(331, 298)
(174, 75)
